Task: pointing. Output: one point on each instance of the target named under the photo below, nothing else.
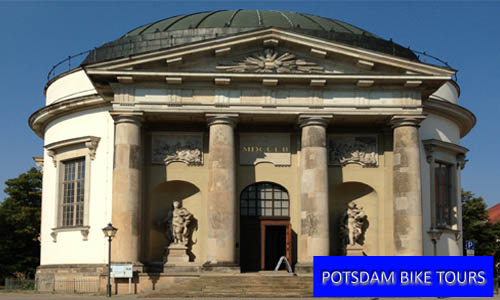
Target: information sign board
(121, 271)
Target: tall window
(264, 199)
(73, 191)
(443, 195)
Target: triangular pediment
(264, 60)
(245, 51)
(270, 56)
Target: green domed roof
(248, 19)
(185, 29)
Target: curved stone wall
(71, 246)
(71, 85)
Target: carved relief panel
(352, 149)
(272, 61)
(182, 147)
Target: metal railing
(431, 59)
(74, 286)
(65, 64)
(76, 59)
(16, 284)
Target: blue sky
(36, 35)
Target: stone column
(221, 198)
(127, 192)
(315, 236)
(407, 193)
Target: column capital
(407, 120)
(225, 119)
(133, 117)
(314, 120)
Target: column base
(304, 268)
(221, 267)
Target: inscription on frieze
(260, 147)
(186, 148)
(352, 149)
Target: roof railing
(431, 59)
(77, 59)
(65, 64)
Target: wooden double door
(263, 242)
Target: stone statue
(181, 218)
(354, 224)
(178, 229)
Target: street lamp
(109, 232)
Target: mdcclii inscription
(271, 61)
(343, 150)
(187, 148)
(256, 148)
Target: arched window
(264, 199)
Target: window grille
(73, 186)
(443, 195)
(264, 199)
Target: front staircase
(256, 285)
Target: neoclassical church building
(275, 133)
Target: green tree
(20, 225)
(476, 226)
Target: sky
(36, 35)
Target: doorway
(265, 230)
(276, 240)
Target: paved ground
(26, 296)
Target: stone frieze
(348, 149)
(186, 148)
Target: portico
(305, 152)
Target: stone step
(240, 286)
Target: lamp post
(109, 232)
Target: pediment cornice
(271, 37)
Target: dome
(247, 19)
(185, 29)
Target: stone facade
(283, 126)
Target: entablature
(421, 83)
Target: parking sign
(469, 245)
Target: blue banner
(403, 276)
